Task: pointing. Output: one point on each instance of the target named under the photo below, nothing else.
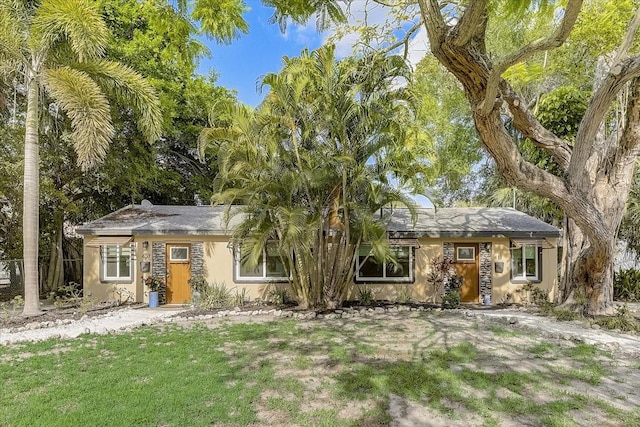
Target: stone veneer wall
(159, 268)
(197, 259)
(486, 273)
(447, 250)
(448, 253)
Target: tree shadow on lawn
(451, 367)
(497, 381)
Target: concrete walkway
(114, 321)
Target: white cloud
(366, 12)
(418, 47)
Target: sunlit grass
(318, 373)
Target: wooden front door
(178, 273)
(466, 261)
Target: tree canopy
(311, 168)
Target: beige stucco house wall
(150, 230)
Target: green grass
(502, 332)
(322, 374)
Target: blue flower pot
(153, 300)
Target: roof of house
(148, 219)
(468, 222)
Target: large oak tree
(594, 173)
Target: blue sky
(241, 64)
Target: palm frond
(75, 20)
(130, 89)
(86, 105)
(12, 36)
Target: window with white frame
(179, 253)
(526, 263)
(116, 262)
(369, 269)
(269, 268)
(466, 254)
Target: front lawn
(440, 368)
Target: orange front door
(178, 273)
(467, 266)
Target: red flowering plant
(153, 283)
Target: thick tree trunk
(581, 288)
(596, 172)
(30, 214)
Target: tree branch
(432, 17)
(529, 177)
(470, 23)
(626, 152)
(556, 39)
(531, 128)
(600, 102)
(405, 40)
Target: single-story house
(496, 250)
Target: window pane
(516, 262)
(401, 269)
(529, 252)
(111, 261)
(179, 254)
(275, 267)
(125, 262)
(257, 271)
(466, 254)
(371, 267)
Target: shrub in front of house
(626, 285)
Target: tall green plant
(59, 46)
(313, 165)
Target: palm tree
(312, 165)
(56, 48)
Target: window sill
(385, 281)
(125, 281)
(522, 281)
(247, 280)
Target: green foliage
(535, 295)
(365, 295)
(278, 295)
(562, 109)
(240, 297)
(448, 142)
(623, 320)
(600, 27)
(626, 285)
(567, 315)
(223, 20)
(451, 299)
(403, 295)
(9, 309)
(312, 167)
(198, 283)
(154, 283)
(215, 296)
